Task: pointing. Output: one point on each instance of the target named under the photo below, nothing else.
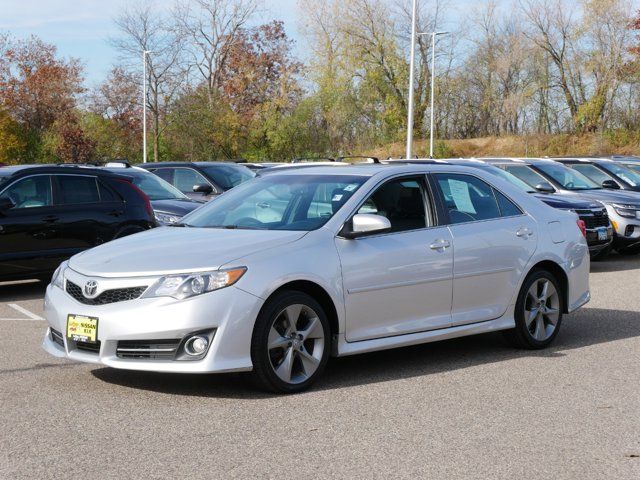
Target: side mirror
(545, 187)
(366, 224)
(203, 188)
(610, 185)
(6, 204)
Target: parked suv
(605, 172)
(201, 180)
(550, 176)
(49, 213)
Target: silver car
(288, 269)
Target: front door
(398, 282)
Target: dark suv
(201, 180)
(49, 213)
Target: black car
(49, 213)
(201, 180)
(169, 204)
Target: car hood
(178, 208)
(168, 250)
(567, 202)
(611, 196)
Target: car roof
(52, 169)
(190, 164)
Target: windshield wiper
(180, 224)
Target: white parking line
(15, 319)
(24, 311)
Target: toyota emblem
(90, 289)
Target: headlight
(166, 218)
(58, 276)
(627, 211)
(191, 284)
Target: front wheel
(290, 344)
(538, 311)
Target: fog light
(196, 345)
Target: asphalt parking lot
(466, 408)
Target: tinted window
(591, 171)
(154, 187)
(184, 179)
(467, 198)
(629, 176)
(278, 202)
(228, 176)
(30, 192)
(75, 189)
(106, 194)
(401, 201)
(507, 207)
(164, 173)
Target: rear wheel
(290, 344)
(538, 311)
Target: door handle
(50, 219)
(524, 232)
(440, 245)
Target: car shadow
(23, 290)
(589, 326)
(616, 263)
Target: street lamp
(144, 105)
(433, 82)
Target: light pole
(411, 69)
(433, 83)
(144, 105)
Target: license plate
(602, 234)
(82, 329)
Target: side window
(507, 207)
(106, 194)
(467, 198)
(591, 171)
(30, 192)
(402, 201)
(184, 179)
(164, 173)
(76, 189)
(526, 174)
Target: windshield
(569, 179)
(153, 186)
(633, 166)
(228, 176)
(509, 177)
(278, 202)
(626, 174)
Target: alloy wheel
(296, 343)
(542, 309)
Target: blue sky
(81, 28)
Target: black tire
(264, 363)
(521, 336)
(602, 254)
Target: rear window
(76, 189)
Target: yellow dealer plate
(82, 329)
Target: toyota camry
(286, 270)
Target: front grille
(594, 218)
(56, 336)
(88, 347)
(147, 349)
(108, 296)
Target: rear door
(85, 219)
(494, 240)
(29, 241)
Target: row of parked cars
(50, 212)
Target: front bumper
(593, 240)
(230, 311)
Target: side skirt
(344, 348)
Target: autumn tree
(73, 145)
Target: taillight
(145, 198)
(583, 227)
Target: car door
(398, 282)
(184, 179)
(85, 220)
(29, 240)
(494, 240)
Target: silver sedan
(284, 271)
